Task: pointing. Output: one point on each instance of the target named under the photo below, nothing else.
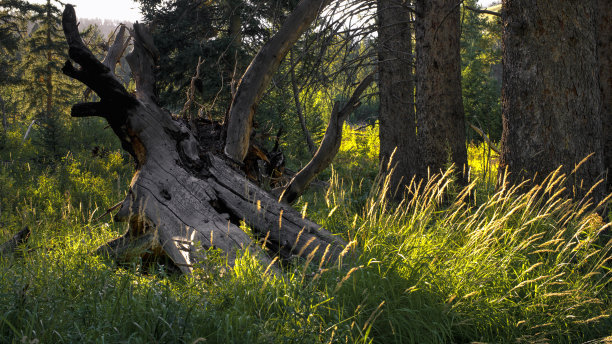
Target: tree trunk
(550, 95)
(397, 122)
(258, 75)
(49, 75)
(604, 48)
(235, 23)
(114, 54)
(182, 200)
(439, 105)
(234, 8)
(330, 145)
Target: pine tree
(551, 100)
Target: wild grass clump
(522, 266)
(446, 265)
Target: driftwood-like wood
(116, 50)
(182, 200)
(9, 247)
(114, 53)
(259, 74)
(486, 138)
(329, 147)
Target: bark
(49, 69)
(604, 48)
(114, 53)
(182, 200)
(27, 133)
(439, 105)
(550, 95)
(235, 22)
(330, 145)
(116, 50)
(234, 7)
(258, 75)
(397, 121)
(477, 10)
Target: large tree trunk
(550, 95)
(604, 48)
(258, 75)
(49, 68)
(182, 200)
(397, 121)
(439, 105)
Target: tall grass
(447, 265)
(520, 266)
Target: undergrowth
(447, 265)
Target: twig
(108, 211)
(25, 137)
(493, 13)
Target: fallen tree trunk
(182, 200)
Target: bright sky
(104, 9)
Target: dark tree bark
(182, 199)
(114, 54)
(397, 121)
(49, 68)
(604, 48)
(440, 115)
(550, 95)
(235, 21)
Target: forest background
(451, 264)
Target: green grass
(447, 266)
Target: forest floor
(451, 265)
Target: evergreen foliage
(481, 73)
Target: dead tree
(182, 199)
(257, 77)
(329, 147)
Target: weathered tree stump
(182, 200)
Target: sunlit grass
(444, 266)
